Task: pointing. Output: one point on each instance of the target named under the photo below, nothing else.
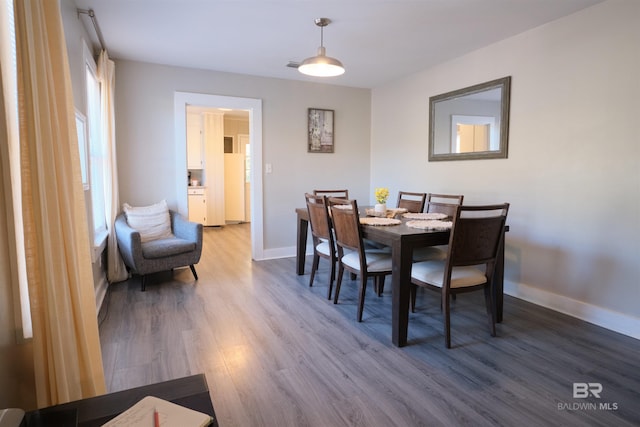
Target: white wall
(145, 138)
(573, 172)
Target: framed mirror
(470, 123)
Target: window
(97, 153)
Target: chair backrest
(342, 194)
(319, 217)
(476, 235)
(444, 203)
(412, 202)
(346, 224)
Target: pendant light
(321, 65)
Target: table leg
(400, 279)
(498, 282)
(301, 245)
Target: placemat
(430, 225)
(390, 213)
(379, 221)
(425, 215)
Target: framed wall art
(320, 131)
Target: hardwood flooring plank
(276, 352)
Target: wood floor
(278, 353)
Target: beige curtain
(66, 345)
(15, 357)
(116, 270)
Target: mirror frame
(502, 83)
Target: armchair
(182, 248)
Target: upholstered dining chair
(475, 240)
(351, 252)
(342, 194)
(323, 240)
(412, 202)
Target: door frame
(254, 107)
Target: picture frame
(320, 131)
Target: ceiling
(378, 41)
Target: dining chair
(475, 240)
(443, 203)
(351, 252)
(342, 194)
(412, 202)
(323, 240)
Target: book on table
(143, 414)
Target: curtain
(66, 344)
(11, 173)
(116, 270)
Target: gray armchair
(183, 248)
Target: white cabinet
(195, 158)
(197, 205)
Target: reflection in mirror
(470, 123)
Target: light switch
(267, 168)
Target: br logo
(584, 390)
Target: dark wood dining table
(402, 240)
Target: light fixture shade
(321, 65)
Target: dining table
(402, 240)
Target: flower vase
(380, 208)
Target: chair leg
(143, 285)
(413, 289)
(491, 315)
(338, 283)
(363, 289)
(314, 267)
(447, 320)
(332, 277)
(193, 270)
(380, 282)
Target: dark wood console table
(191, 392)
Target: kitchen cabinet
(197, 205)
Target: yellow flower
(382, 194)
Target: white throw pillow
(153, 222)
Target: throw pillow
(152, 222)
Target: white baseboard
(286, 252)
(609, 319)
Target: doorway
(254, 109)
